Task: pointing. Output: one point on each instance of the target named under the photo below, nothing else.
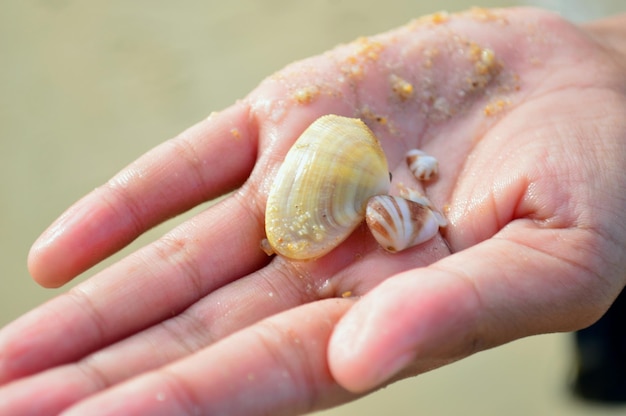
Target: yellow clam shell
(321, 190)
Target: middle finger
(149, 286)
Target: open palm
(525, 115)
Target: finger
(219, 314)
(205, 161)
(280, 286)
(154, 284)
(54, 391)
(277, 366)
(502, 289)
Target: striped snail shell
(422, 165)
(322, 188)
(398, 223)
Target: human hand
(530, 141)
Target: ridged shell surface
(398, 223)
(321, 190)
(423, 166)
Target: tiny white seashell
(321, 190)
(414, 195)
(418, 197)
(422, 165)
(398, 223)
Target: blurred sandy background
(86, 87)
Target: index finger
(205, 161)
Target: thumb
(487, 295)
(422, 316)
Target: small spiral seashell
(321, 190)
(422, 165)
(398, 223)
